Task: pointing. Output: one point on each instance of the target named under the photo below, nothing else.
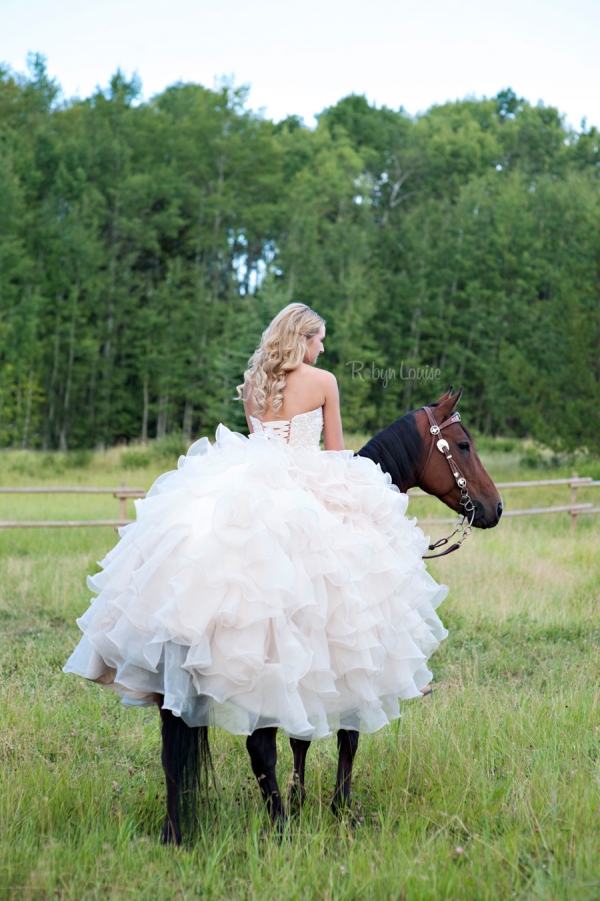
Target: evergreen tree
(144, 246)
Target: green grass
(489, 789)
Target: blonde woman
(266, 584)
(282, 385)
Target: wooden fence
(123, 493)
(573, 508)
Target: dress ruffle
(266, 585)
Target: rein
(464, 526)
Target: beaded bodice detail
(303, 430)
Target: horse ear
(445, 396)
(448, 402)
(456, 397)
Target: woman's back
(306, 389)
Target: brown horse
(428, 448)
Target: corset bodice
(303, 430)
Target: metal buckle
(442, 445)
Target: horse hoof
(282, 830)
(279, 821)
(297, 795)
(345, 814)
(169, 836)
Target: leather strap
(449, 550)
(465, 501)
(438, 428)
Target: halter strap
(465, 501)
(435, 430)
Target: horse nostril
(500, 509)
(479, 509)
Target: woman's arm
(332, 421)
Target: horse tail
(188, 766)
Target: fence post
(123, 504)
(575, 475)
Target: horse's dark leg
(262, 747)
(186, 762)
(171, 834)
(297, 790)
(347, 747)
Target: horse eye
(463, 446)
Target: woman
(266, 582)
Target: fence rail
(117, 492)
(574, 482)
(63, 523)
(123, 493)
(573, 509)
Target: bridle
(468, 514)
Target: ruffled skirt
(266, 585)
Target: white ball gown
(266, 582)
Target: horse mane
(398, 449)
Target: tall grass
(488, 789)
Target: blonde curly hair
(281, 350)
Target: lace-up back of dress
(303, 430)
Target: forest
(144, 246)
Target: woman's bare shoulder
(327, 381)
(309, 387)
(317, 376)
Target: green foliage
(136, 458)
(81, 458)
(533, 458)
(145, 246)
(162, 452)
(497, 445)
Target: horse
(406, 451)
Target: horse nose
(500, 508)
(479, 509)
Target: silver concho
(435, 430)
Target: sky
(300, 57)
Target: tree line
(144, 246)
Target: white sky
(301, 57)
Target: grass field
(488, 789)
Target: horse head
(431, 448)
(450, 457)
